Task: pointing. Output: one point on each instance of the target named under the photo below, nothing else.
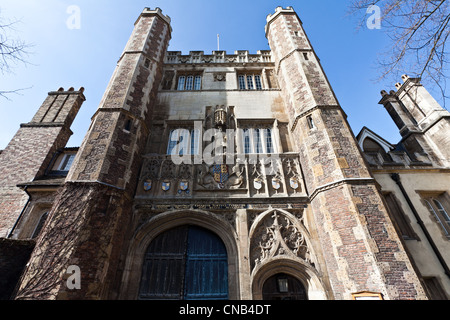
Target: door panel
(185, 263)
(163, 270)
(206, 266)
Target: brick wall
(30, 152)
(88, 236)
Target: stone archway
(280, 243)
(185, 263)
(169, 220)
(308, 277)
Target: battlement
(239, 56)
(278, 11)
(157, 11)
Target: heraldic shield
(294, 183)
(148, 185)
(221, 173)
(165, 185)
(184, 185)
(276, 183)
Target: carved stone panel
(220, 76)
(220, 177)
(278, 235)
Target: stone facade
(252, 148)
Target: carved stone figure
(236, 179)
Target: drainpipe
(396, 178)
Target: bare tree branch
(4, 94)
(419, 30)
(12, 52)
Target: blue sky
(86, 57)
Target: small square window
(63, 163)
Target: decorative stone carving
(168, 80)
(277, 235)
(292, 172)
(151, 169)
(258, 177)
(168, 170)
(220, 77)
(208, 177)
(220, 116)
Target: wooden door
(206, 267)
(185, 263)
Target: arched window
(185, 263)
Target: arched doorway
(185, 263)
(283, 287)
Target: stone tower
(360, 246)
(30, 151)
(422, 122)
(86, 224)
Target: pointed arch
(309, 277)
(169, 220)
(278, 233)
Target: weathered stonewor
(31, 150)
(78, 235)
(422, 122)
(360, 246)
(92, 211)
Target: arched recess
(280, 243)
(169, 220)
(306, 275)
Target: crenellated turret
(422, 122)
